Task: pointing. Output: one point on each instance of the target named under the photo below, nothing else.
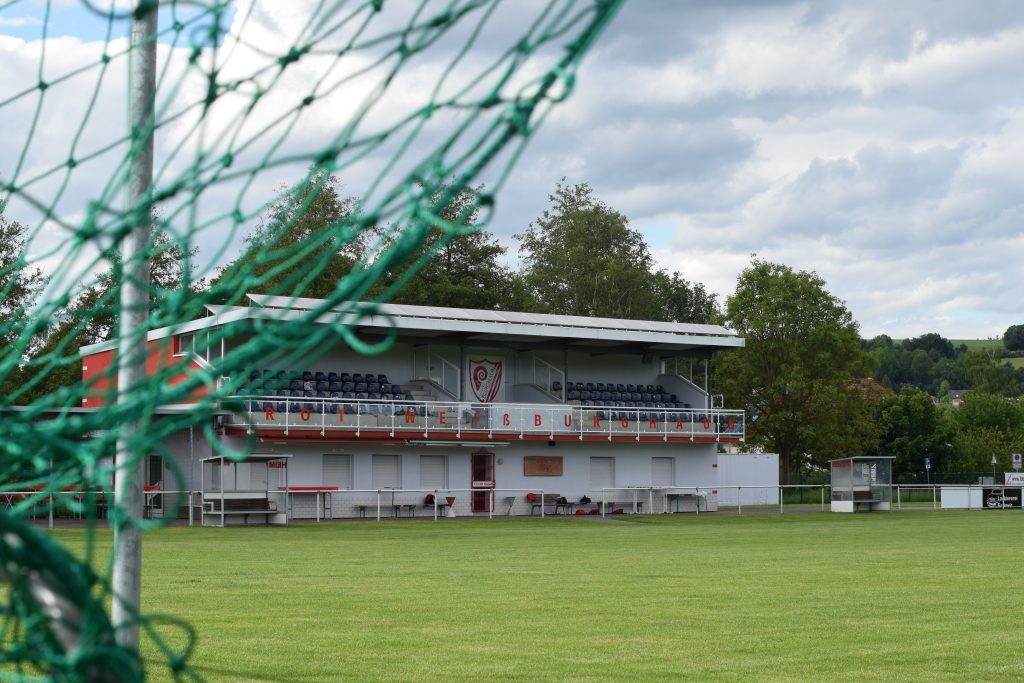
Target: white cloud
(877, 143)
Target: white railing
(438, 369)
(544, 374)
(516, 420)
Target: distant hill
(983, 344)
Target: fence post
(378, 505)
(739, 498)
(899, 504)
(780, 500)
(933, 496)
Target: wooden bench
(548, 500)
(396, 508)
(242, 506)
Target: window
(183, 343)
(662, 471)
(433, 471)
(602, 473)
(338, 471)
(387, 471)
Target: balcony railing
(501, 420)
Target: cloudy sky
(877, 143)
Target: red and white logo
(485, 378)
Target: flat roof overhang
(469, 326)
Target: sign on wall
(542, 466)
(1000, 498)
(486, 378)
(1013, 478)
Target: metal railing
(437, 369)
(509, 419)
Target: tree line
(812, 389)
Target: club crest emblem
(485, 378)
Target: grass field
(982, 344)
(799, 597)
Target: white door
(387, 471)
(602, 473)
(433, 471)
(337, 471)
(662, 471)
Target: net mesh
(411, 105)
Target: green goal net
(417, 107)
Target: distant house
(956, 396)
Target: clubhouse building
(467, 412)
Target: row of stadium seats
(333, 407)
(317, 384)
(661, 405)
(600, 391)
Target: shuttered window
(433, 471)
(662, 471)
(387, 471)
(338, 471)
(602, 473)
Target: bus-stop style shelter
(862, 484)
(244, 492)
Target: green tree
(19, 284)
(795, 373)
(1013, 338)
(580, 257)
(986, 425)
(912, 428)
(304, 245)
(91, 317)
(460, 268)
(681, 301)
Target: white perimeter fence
(326, 503)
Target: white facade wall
(694, 465)
(748, 470)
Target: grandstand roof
(479, 327)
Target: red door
(482, 472)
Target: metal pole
(191, 473)
(131, 350)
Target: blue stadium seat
(573, 395)
(606, 395)
(382, 379)
(590, 386)
(295, 385)
(659, 388)
(322, 386)
(361, 387)
(396, 389)
(587, 404)
(357, 377)
(307, 376)
(320, 376)
(373, 387)
(599, 386)
(630, 388)
(585, 395)
(580, 386)
(410, 398)
(332, 377)
(373, 396)
(334, 386)
(556, 386)
(344, 377)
